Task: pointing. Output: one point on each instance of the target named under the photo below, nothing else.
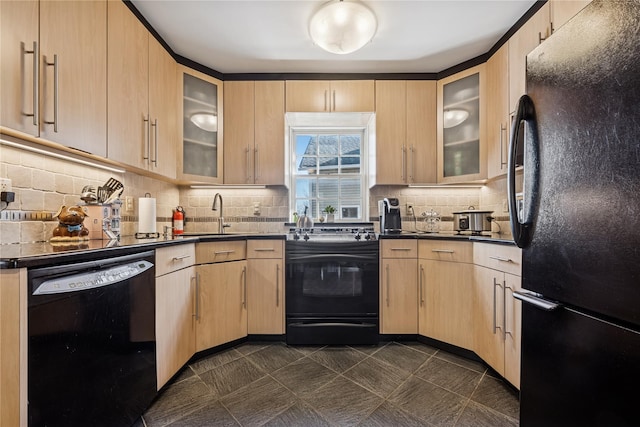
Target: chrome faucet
(214, 207)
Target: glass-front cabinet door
(201, 153)
(461, 127)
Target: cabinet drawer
(221, 251)
(399, 248)
(442, 250)
(265, 248)
(173, 258)
(498, 257)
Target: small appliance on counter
(390, 221)
(472, 220)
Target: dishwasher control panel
(93, 279)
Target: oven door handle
(334, 255)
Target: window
(329, 169)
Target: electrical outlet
(5, 184)
(128, 204)
(409, 209)
(505, 206)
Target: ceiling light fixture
(343, 26)
(454, 117)
(206, 121)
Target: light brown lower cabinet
(265, 283)
(497, 314)
(13, 348)
(445, 302)
(497, 321)
(175, 322)
(221, 302)
(446, 291)
(399, 287)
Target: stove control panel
(333, 234)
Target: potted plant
(330, 211)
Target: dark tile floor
(394, 384)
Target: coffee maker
(390, 221)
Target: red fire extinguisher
(178, 221)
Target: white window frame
(364, 166)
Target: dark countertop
(443, 235)
(41, 254)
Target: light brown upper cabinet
(254, 132)
(54, 71)
(326, 96)
(498, 112)
(527, 38)
(563, 10)
(461, 127)
(201, 128)
(405, 132)
(142, 96)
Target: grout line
(469, 398)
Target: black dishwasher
(91, 348)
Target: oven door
(332, 279)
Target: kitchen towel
(146, 215)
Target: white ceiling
(271, 36)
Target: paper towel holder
(147, 235)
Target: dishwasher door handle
(536, 300)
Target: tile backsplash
(42, 184)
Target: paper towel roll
(146, 215)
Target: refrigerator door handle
(536, 300)
(522, 229)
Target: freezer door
(585, 87)
(577, 370)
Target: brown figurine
(70, 225)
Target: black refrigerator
(577, 133)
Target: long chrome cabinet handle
(36, 81)
(244, 286)
(56, 66)
(443, 251)
(334, 101)
(421, 281)
(400, 249)
(388, 283)
(197, 296)
(536, 300)
(503, 128)
(248, 177)
(264, 249)
(500, 258)
(506, 331)
(147, 138)
(504, 309)
(181, 257)
(325, 100)
(277, 285)
(410, 163)
(224, 252)
(404, 163)
(256, 164)
(495, 309)
(155, 142)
